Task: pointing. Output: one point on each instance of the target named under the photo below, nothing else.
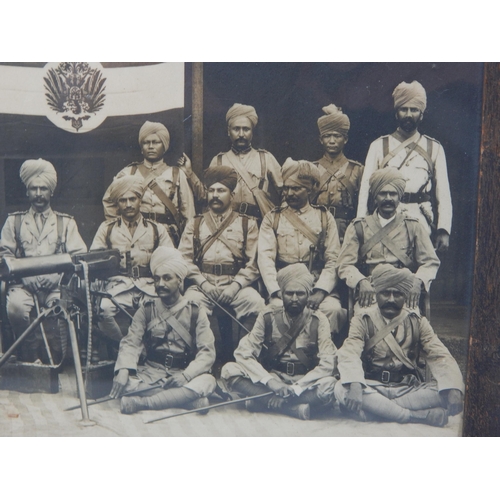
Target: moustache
(388, 204)
(389, 305)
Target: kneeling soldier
(220, 247)
(178, 341)
(379, 361)
(289, 351)
(136, 238)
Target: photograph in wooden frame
(289, 98)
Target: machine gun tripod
(78, 271)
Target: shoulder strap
(17, 234)
(148, 312)
(217, 235)
(111, 225)
(390, 155)
(358, 226)
(324, 230)
(133, 169)
(60, 244)
(219, 159)
(276, 221)
(175, 179)
(156, 236)
(301, 226)
(196, 239)
(385, 146)
(314, 329)
(383, 332)
(194, 319)
(379, 234)
(263, 169)
(158, 191)
(244, 227)
(268, 328)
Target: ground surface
(44, 415)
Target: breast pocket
(287, 241)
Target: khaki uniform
(221, 259)
(287, 245)
(263, 169)
(321, 376)
(409, 237)
(167, 350)
(136, 282)
(417, 341)
(338, 191)
(420, 177)
(33, 243)
(151, 206)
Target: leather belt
(220, 269)
(248, 209)
(291, 368)
(387, 377)
(139, 272)
(342, 212)
(280, 264)
(160, 218)
(168, 359)
(415, 198)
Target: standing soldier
(168, 198)
(299, 232)
(340, 177)
(258, 171)
(33, 233)
(136, 238)
(221, 247)
(289, 351)
(420, 159)
(178, 342)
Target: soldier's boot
(438, 417)
(177, 397)
(317, 406)
(245, 387)
(197, 404)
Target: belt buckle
(152, 216)
(332, 210)
(169, 361)
(243, 207)
(386, 377)
(290, 368)
(217, 269)
(135, 272)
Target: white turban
(166, 259)
(295, 274)
(386, 276)
(126, 183)
(155, 128)
(410, 95)
(38, 169)
(333, 121)
(300, 173)
(237, 110)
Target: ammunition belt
(168, 359)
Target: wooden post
(197, 111)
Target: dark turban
(295, 274)
(301, 173)
(155, 128)
(386, 276)
(333, 121)
(410, 95)
(389, 175)
(224, 175)
(38, 169)
(237, 110)
(166, 259)
(122, 185)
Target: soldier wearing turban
(289, 351)
(220, 248)
(136, 238)
(175, 334)
(299, 232)
(168, 198)
(339, 177)
(259, 179)
(387, 237)
(380, 363)
(38, 231)
(420, 159)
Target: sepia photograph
(239, 249)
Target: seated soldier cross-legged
(380, 363)
(289, 351)
(179, 345)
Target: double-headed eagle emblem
(76, 89)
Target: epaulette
(382, 136)
(357, 219)
(409, 217)
(134, 164)
(111, 221)
(279, 208)
(413, 312)
(432, 139)
(19, 212)
(63, 215)
(260, 150)
(198, 215)
(149, 300)
(356, 163)
(321, 207)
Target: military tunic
(247, 300)
(251, 161)
(357, 365)
(250, 347)
(420, 178)
(333, 189)
(159, 338)
(410, 237)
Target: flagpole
(197, 111)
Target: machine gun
(77, 273)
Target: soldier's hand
(354, 397)
(442, 241)
(280, 388)
(229, 293)
(275, 402)
(366, 293)
(413, 299)
(175, 380)
(185, 164)
(315, 299)
(119, 383)
(212, 291)
(454, 401)
(48, 281)
(31, 284)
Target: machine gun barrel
(12, 268)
